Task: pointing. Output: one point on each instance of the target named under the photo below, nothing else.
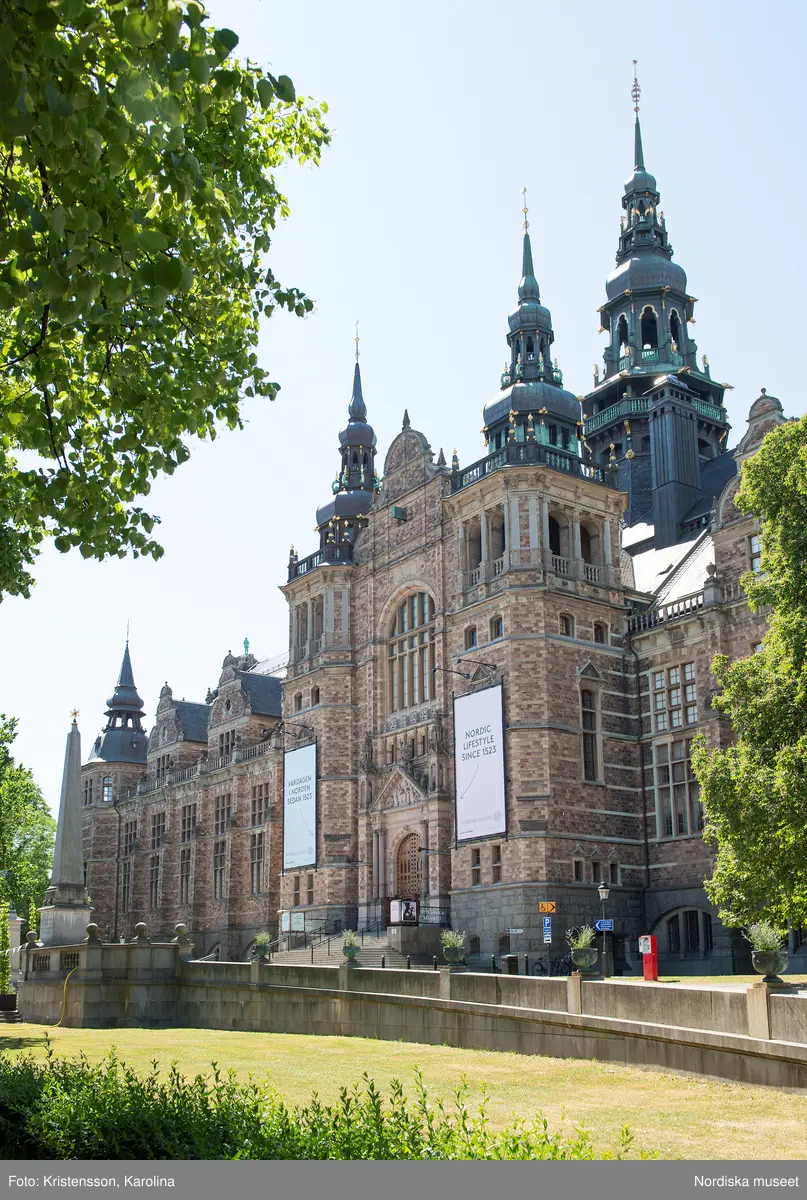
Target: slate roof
(193, 719)
(264, 691)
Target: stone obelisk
(64, 916)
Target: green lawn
(681, 1116)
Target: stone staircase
(11, 1016)
(329, 954)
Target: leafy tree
(755, 791)
(27, 830)
(137, 202)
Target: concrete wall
(751, 1036)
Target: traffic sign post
(547, 931)
(604, 926)
(546, 906)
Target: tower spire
(528, 290)
(638, 153)
(123, 738)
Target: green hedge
(73, 1109)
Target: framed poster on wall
(300, 808)
(479, 764)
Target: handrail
(376, 928)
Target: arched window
(554, 536)
(589, 542)
(622, 335)
(566, 625)
(411, 652)
(600, 632)
(649, 329)
(470, 637)
(675, 330)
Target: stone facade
(595, 581)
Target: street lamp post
(603, 891)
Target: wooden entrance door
(408, 879)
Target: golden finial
(356, 340)
(525, 210)
(635, 91)
(74, 714)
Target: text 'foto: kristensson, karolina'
(91, 1181)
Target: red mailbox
(649, 952)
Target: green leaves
(139, 202)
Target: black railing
(532, 454)
(343, 552)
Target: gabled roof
(264, 691)
(193, 719)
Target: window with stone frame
(88, 790)
(221, 814)
(227, 743)
(755, 553)
(589, 721)
(476, 866)
(689, 932)
(309, 891)
(129, 836)
(298, 702)
(411, 652)
(161, 767)
(108, 789)
(260, 794)
(496, 863)
(157, 830)
(470, 637)
(154, 881)
(597, 871)
(188, 823)
(600, 632)
(126, 884)
(578, 870)
(496, 628)
(613, 874)
(296, 891)
(474, 946)
(673, 698)
(219, 868)
(256, 863)
(314, 697)
(185, 875)
(679, 812)
(566, 625)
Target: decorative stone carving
(437, 735)
(400, 791)
(410, 716)
(366, 762)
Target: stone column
(606, 545)
(309, 618)
(424, 857)
(382, 864)
(545, 531)
(375, 865)
(514, 533)
(577, 553)
(532, 519)
(483, 533)
(345, 614)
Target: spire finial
(525, 209)
(356, 340)
(635, 91)
(74, 714)
(127, 631)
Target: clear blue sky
(441, 113)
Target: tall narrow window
(675, 330)
(188, 824)
(411, 652)
(566, 625)
(157, 830)
(496, 863)
(309, 896)
(476, 867)
(296, 892)
(185, 875)
(649, 329)
(129, 836)
(588, 720)
(108, 791)
(219, 861)
(126, 884)
(221, 814)
(88, 790)
(678, 806)
(154, 881)
(258, 813)
(755, 553)
(674, 935)
(256, 863)
(599, 633)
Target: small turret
(123, 738)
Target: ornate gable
(589, 671)
(400, 791)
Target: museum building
(584, 572)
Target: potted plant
(350, 946)
(768, 952)
(453, 944)
(581, 944)
(262, 943)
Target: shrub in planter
(350, 944)
(581, 944)
(768, 951)
(262, 944)
(453, 944)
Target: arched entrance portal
(408, 880)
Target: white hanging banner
(479, 764)
(300, 808)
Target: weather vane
(74, 713)
(525, 210)
(356, 340)
(635, 91)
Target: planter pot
(769, 962)
(453, 954)
(350, 952)
(584, 959)
(260, 955)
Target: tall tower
(648, 314)
(532, 403)
(341, 518)
(123, 739)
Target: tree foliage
(137, 203)
(755, 791)
(27, 830)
